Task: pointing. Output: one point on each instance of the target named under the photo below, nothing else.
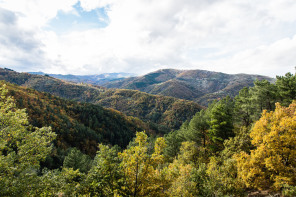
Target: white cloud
(36, 13)
(277, 58)
(143, 35)
(93, 4)
(19, 47)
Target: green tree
(22, 147)
(179, 171)
(173, 140)
(65, 182)
(244, 108)
(198, 128)
(105, 177)
(264, 96)
(234, 145)
(287, 88)
(77, 160)
(221, 122)
(221, 178)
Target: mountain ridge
(200, 86)
(161, 112)
(96, 79)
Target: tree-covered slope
(196, 85)
(164, 113)
(57, 87)
(81, 125)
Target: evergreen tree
(174, 140)
(244, 108)
(287, 88)
(221, 123)
(198, 128)
(264, 96)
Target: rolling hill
(168, 112)
(199, 86)
(162, 112)
(80, 125)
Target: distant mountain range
(161, 112)
(200, 86)
(170, 92)
(90, 79)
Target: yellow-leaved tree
(272, 164)
(143, 173)
(179, 172)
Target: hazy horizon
(132, 74)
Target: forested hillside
(166, 111)
(72, 91)
(236, 147)
(79, 125)
(163, 113)
(199, 86)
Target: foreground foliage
(79, 125)
(22, 147)
(273, 161)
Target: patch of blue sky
(78, 20)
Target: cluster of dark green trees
(225, 150)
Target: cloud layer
(145, 35)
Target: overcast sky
(140, 36)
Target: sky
(141, 36)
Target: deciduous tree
(273, 162)
(140, 169)
(22, 147)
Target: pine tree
(221, 123)
(244, 108)
(264, 95)
(198, 128)
(287, 88)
